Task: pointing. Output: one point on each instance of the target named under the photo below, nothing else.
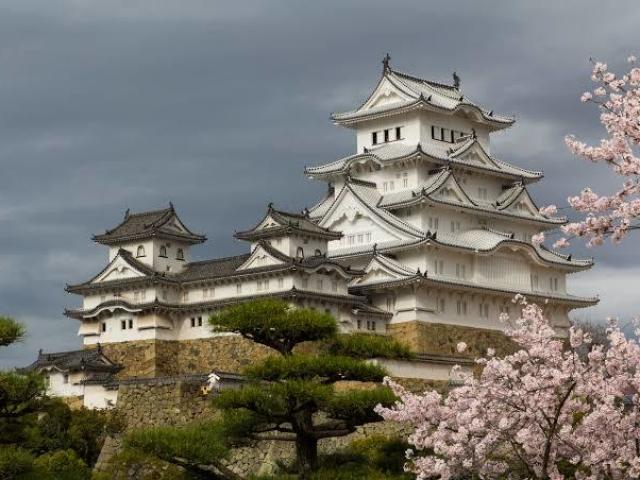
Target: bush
(61, 464)
(367, 345)
(14, 462)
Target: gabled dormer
(293, 234)
(408, 109)
(155, 238)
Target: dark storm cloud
(218, 106)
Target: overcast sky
(218, 106)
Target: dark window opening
(199, 321)
(386, 135)
(180, 254)
(300, 252)
(123, 324)
(398, 133)
(130, 323)
(374, 138)
(318, 253)
(163, 252)
(104, 327)
(140, 251)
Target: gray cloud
(218, 106)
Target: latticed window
(179, 254)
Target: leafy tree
(41, 437)
(290, 396)
(547, 411)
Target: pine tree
(291, 396)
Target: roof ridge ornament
(456, 80)
(385, 63)
(127, 213)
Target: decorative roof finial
(270, 206)
(456, 81)
(171, 206)
(375, 248)
(385, 63)
(126, 214)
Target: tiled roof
(444, 154)
(426, 94)
(355, 301)
(452, 282)
(286, 222)
(90, 360)
(156, 223)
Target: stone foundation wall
(442, 339)
(160, 358)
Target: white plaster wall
(409, 124)
(96, 397)
(424, 370)
(58, 388)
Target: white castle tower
(441, 227)
(423, 234)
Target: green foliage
(274, 400)
(133, 463)
(58, 427)
(367, 345)
(10, 331)
(204, 443)
(14, 462)
(19, 394)
(325, 368)
(61, 464)
(275, 323)
(385, 453)
(355, 407)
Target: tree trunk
(306, 455)
(306, 444)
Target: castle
(422, 231)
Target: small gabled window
(140, 252)
(318, 252)
(163, 252)
(179, 254)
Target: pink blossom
(631, 59)
(537, 410)
(586, 96)
(611, 215)
(549, 210)
(561, 243)
(538, 238)
(461, 347)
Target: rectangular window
(352, 239)
(385, 186)
(334, 286)
(461, 307)
(65, 378)
(455, 226)
(360, 238)
(391, 304)
(386, 135)
(484, 310)
(185, 296)
(199, 321)
(193, 321)
(130, 323)
(359, 324)
(483, 193)
(438, 266)
(441, 305)
(259, 285)
(433, 223)
(123, 324)
(433, 132)
(534, 281)
(398, 133)
(461, 270)
(238, 288)
(103, 327)
(374, 138)
(405, 179)
(319, 284)
(369, 237)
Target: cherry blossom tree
(547, 411)
(614, 215)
